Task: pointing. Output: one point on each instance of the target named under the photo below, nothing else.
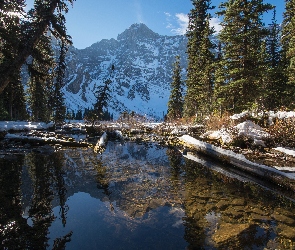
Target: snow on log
(102, 141)
(45, 140)
(240, 161)
(285, 151)
(18, 126)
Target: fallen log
(44, 140)
(240, 161)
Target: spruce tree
(102, 97)
(241, 37)
(200, 60)
(13, 100)
(58, 99)
(41, 80)
(288, 51)
(10, 30)
(220, 73)
(276, 83)
(175, 103)
(23, 35)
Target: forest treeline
(36, 41)
(250, 67)
(26, 41)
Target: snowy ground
(20, 125)
(246, 128)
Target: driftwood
(240, 161)
(101, 143)
(44, 141)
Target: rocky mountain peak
(143, 62)
(137, 30)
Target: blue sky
(89, 21)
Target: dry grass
(216, 122)
(282, 132)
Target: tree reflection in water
(28, 229)
(244, 216)
(143, 196)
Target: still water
(136, 196)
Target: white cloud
(215, 22)
(167, 14)
(182, 22)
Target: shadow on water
(28, 185)
(135, 196)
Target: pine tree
(10, 29)
(288, 50)
(58, 99)
(200, 60)
(241, 37)
(175, 103)
(41, 80)
(275, 86)
(23, 35)
(13, 101)
(102, 97)
(219, 75)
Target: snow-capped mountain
(143, 65)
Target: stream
(137, 196)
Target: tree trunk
(30, 40)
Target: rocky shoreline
(237, 160)
(269, 163)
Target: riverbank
(270, 173)
(275, 164)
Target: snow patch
(218, 134)
(251, 130)
(286, 151)
(239, 116)
(21, 125)
(230, 154)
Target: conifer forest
(148, 141)
(248, 65)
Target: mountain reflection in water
(135, 196)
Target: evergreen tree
(200, 60)
(41, 80)
(242, 36)
(13, 101)
(102, 97)
(275, 79)
(175, 104)
(288, 50)
(10, 29)
(58, 99)
(79, 115)
(219, 76)
(19, 36)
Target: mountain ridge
(143, 62)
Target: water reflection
(27, 190)
(135, 196)
(226, 214)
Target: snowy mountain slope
(142, 73)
